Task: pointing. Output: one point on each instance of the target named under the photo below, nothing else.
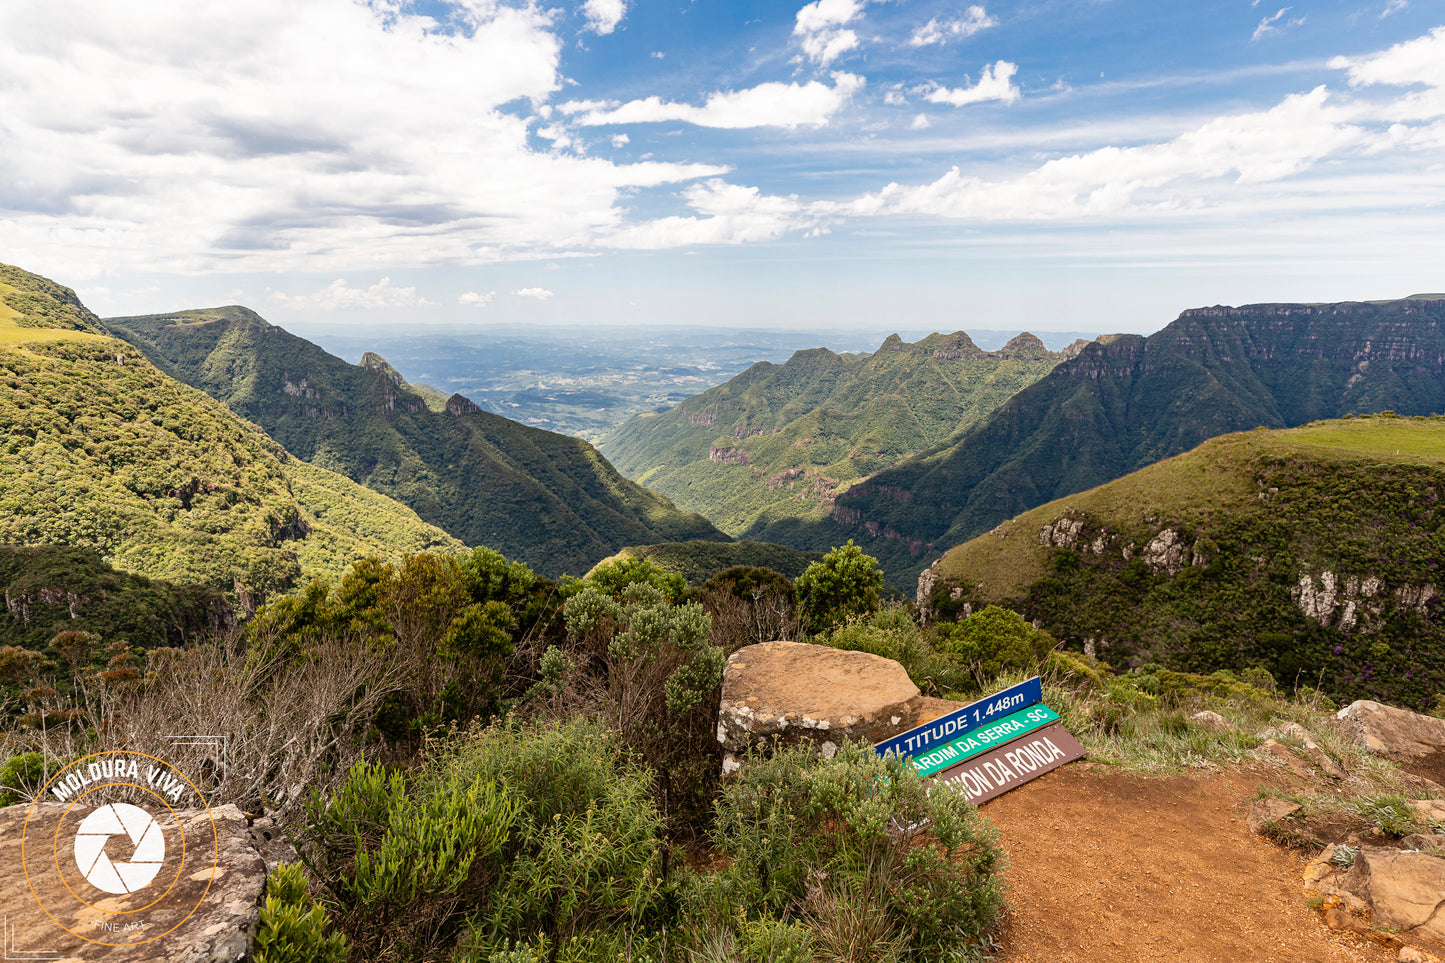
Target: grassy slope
(102, 451)
(794, 435)
(1265, 509)
(546, 499)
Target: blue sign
(956, 723)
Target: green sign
(989, 737)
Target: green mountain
(545, 499)
(699, 561)
(101, 451)
(1128, 401)
(1312, 552)
(778, 443)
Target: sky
(1045, 165)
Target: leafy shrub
(403, 860)
(20, 776)
(612, 577)
(289, 932)
(517, 835)
(893, 634)
(853, 835)
(654, 678)
(996, 640)
(845, 584)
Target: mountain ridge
(545, 499)
(778, 442)
(1129, 400)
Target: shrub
(858, 845)
(655, 681)
(612, 577)
(21, 776)
(996, 640)
(845, 584)
(748, 605)
(405, 861)
(517, 835)
(893, 634)
(289, 932)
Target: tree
(844, 585)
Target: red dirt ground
(1108, 867)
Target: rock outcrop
(1393, 732)
(783, 693)
(202, 906)
(1401, 890)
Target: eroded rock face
(202, 907)
(1391, 731)
(791, 692)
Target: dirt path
(1107, 867)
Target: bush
(893, 634)
(21, 776)
(844, 585)
(612, 577)
(289, 932)
(518, 835)
(859, 847)
(996, 640)
(654, 678)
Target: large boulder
(1393, 732)
(201, 906)
(783, 693)
(1405, 889)
(1379, 886)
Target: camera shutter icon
(145, 862)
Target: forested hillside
(101, 451)
(1133, 400)
(1313, 552)
(779, 442)
(538, 497)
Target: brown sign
(1013, 764)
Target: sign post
(947, 728)
(990, 746)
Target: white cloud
(620, 140)
(1271, 25)
(766, 105)
(920, 122)
(895, 96)
(995, 83)
(603, 16)
(476, 298)
(337, 136)
(339, 296)
(974, 20)
(730, 214)
(1244, 161)
(1418, 61)
(820, 29)
(541, 294)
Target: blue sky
(1091, 165)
